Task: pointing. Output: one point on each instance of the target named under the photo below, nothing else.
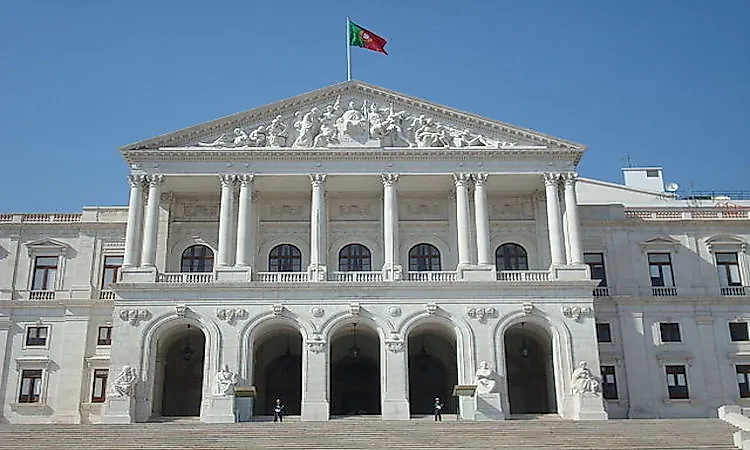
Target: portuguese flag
(360, 37)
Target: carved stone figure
(386, 125)
(125, 382)
(257, 137)
(484, 379)
(225, 381)
(240, 138)
(464, 138)
(353, 123)
(327, 134)
(277, 133)
(307, 128)
(431, 134)
(584, 381)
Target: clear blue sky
(665, 81)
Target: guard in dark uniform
(278, 411)
(438, 407)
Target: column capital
(155, 180)
(570, 178)
(246, 179)
(389, 179)
(227, 179)
(136, 181)
(551, 178)
(480, 179)
(317, 179)
(461, 179)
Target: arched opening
(433, 369)
(355, 258)
(277, 371)
(285, 258)
(179, 373)
(355, 371)
(530, 369)
(197, 258)
(424, 258)
(511, 257)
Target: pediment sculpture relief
(359, 123)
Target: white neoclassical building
(355, 250)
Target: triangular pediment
(660, 243)
(47, 245)
(355, 114)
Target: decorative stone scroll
(577, 312)
(134, 316)
(481, 313)
(231, 315)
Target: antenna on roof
(628, 162)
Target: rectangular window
(45, 273)
(729, 269)
(660, 269)
(99, 389)
(743, 380)
(670, 332)
(603, 332)
(652, 173)
(104, 336)
(36, 336)
(738, 331)
(31, 386)
(112, 266)
(595, 261)
(609, 383)
(677, 382)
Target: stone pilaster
(396, 383)
(315, 360)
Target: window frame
(743, 391)
(114, 267)
(47, 269)
(281, 257)
(660, 267)
(603, 264)
(727, 281)
(428, 259)
(103, 397)
(677, 391)
(196, 261)
(672, 331)
(515, 259)
(365, 259)
(612, 386)
(746, 330)
(106, 342)
(37, 384)
(36, 326)
(609, 332)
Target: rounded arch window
(511, 257)
(424, 257)
(355, 258)
(197, 258)
(285, 258)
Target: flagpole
(348, 52)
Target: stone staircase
(372, 433)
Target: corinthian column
(225, 219)
(390, 226)
(571, 210)
(462, 181)
(551, 182)
(152, 220)
(245, 221)
(482, 217)
(317, 228)
(135, 222)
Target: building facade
(358, 251)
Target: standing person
(278, 411)
(438, 407)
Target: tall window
(743, 380)
(603, 332)
(511, 257)
(285, 258)
(424, 257)
(729, 269)
(677, 382)
(355, 258)
(112, 266)
(45, 273)
(99, 388)
(609, 383)
(104, 336)
(31, 386)
(36, 336)
(197, 258)
(660, 269)
(738, 332)
(670, 332)
(595, 261)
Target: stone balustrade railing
(186, 277)
(523, 275)
(357, 277)
(732, 213)
(281, 277)
(430, 276)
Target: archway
(277, 371)
(355, 371)
(530, 369)
(180, 366)
(433, 369)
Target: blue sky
(666, 82)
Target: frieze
(353, 210)
(422, 209)
(134, 316)
(481, 313)
(577, 312)
(231, 315)
(512, 208)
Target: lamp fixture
(186, 352)
(524, 350)
(354, 349)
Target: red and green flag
(360, 37)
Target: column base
(138, 275)
(396, 410)
(119, 410)
(237, 274)
(315, 411)
(393, 272)
(317, 272)
(467, 408)
(588, 407)
(474, 272)
(219, 410)
(489, 407)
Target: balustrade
(281, 277)
(523, 275)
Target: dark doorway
(182, 387)
(432, 371)
(528, 357)
(355, 373)
(278, 372)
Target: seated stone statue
(584, 381)
(484, 379)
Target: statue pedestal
(220, 410)
(119, 410)
(467, 407)
(489, 407)
(588, 407)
